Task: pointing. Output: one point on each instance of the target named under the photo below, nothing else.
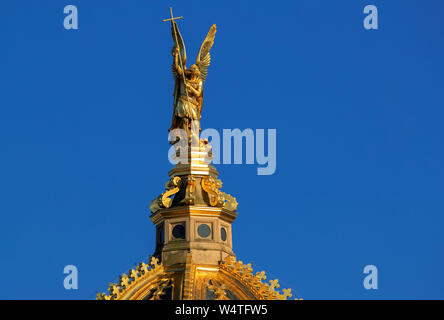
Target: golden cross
(154, 261)
(261, 275)
(274, 283)
(172, 17)
(287, 293)
(124, 280)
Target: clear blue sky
(359, 117)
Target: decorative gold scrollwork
(116, 290)
(212, 186)
(158, 288)
(190, 192)
(244, 273)
(219, 289)
(230, 202)
(172, 186)
(216, 197)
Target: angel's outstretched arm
(176, 63)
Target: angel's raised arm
(178, 51)
(177, 70)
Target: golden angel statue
(188, 87)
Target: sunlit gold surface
(229, 280)
(164, 201)
(187, 263)
(188, 88)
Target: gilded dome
(230, 280)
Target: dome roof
(230, 280)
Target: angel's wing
(204, 58)
(178, 42)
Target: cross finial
(154, 261)
(274, 283)
(172, 17)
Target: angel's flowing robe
(187, 106)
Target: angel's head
(193, 71)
